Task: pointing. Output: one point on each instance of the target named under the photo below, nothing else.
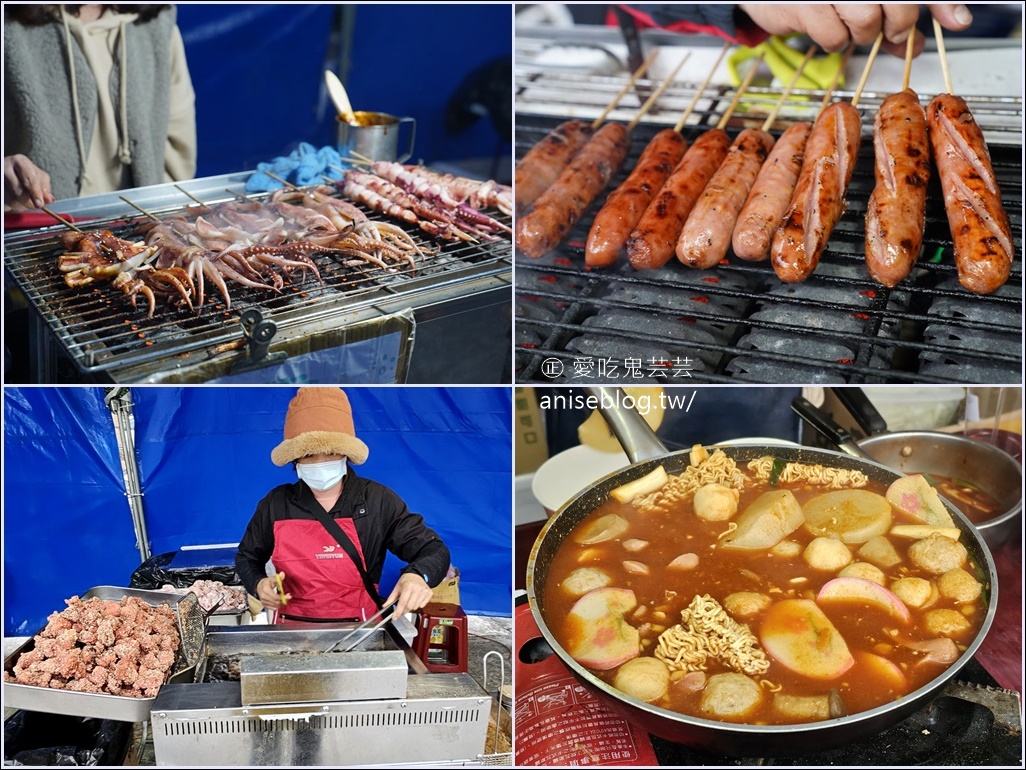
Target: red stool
(441, 641)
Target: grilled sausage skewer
(818, 199)
(540, 167)
(772, 190)
(706, 235)
(896, 212)
(651, 243)
(980, 229)
(545, 224)
(624, 207)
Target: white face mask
(321, 476)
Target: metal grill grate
(100, 330)
(738, 322)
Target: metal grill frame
(99, 345)
(575, 294)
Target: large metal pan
(647, 453)
(943, 454)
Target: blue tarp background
(204, 459)
(67, 526)
(258, 73)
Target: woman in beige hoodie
(97, 98)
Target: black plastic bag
(157, 572)
(89, 742)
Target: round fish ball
(937, 554)
(745, 605)
(646, 679)
(947, 623)
(864, 570)
(959, 585)
(731, 697)
(715, 502)
(786, 549)
(915, 592)
(827, 554)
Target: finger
(825, 27)
(898, 21)
(862, 20)
(953, 17)
(900, 49)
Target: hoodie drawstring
(124, 151)
(74, 99)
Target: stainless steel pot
(647, 453)
(944, 454)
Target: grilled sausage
(625, 205)
(545, 224)
(818, 199)
(767, 202)
(651, 244)
(896, 213)
(979, 224)
(706, 235)
(543, 163)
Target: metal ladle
(339, 97)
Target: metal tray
(83, 704)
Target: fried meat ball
(937, 554)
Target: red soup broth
(663, 593)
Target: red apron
(320, 576)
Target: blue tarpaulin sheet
(204, 460)
(67, 525)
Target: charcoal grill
(738, 322)
(106, 339)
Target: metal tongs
(385, 613)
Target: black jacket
(383, 523)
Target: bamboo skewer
(630, 83)
(771, 119)
(837, 77)
(939, 34)
(741, 89)
(284, 182)
(61, 219)
(908, 59)
(658, 92)
(140, 209)
(701, 89)
(190, 195)
(866, 69)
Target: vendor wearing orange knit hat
(328, 533)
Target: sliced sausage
(896, 213)
(652, 243)
(767, 202)
(818, 199)
(625, 205)
(706, 235)
(978, 221)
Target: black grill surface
(739, 322)
(100, 330)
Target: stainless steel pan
(647, 453)
(944, 454)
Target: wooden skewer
(285, 182)
(908, 58)
(658, 92)
(737, 97)
(866, 69)
(701, 88)
(61, 219)
(630, 83)
(190, 195)
(139, 209)
(837, 77)
(771, 119)
(939, 34)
